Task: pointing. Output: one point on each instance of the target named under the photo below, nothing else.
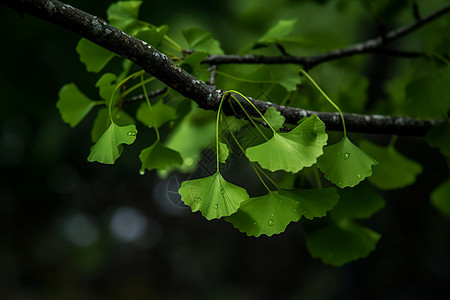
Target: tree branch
(308, 62)
(206, 96)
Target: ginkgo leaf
(342, 242)
(269, 214)
(276, 33)
(294, 150)
(223, 152)
(313, 203)
(123, 14)
(106, 85)
(102, 121)
(94, 57)
(274, 117)
(213, 196)
(344, 164)
(153, 36)
(157, 115)
(394, 171)
(202, 40)
(360, 202)
(157, 156)
(439, 136)
(440, 197)
(109, 147)
(73, 105)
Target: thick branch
(308, 62)
(208, 97)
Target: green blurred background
(77, 230)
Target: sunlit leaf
(213, 196)
(102, 122)
(276, 33)
(109, 147)
(439, 137)
(157, 115)
(73, 105)
(313, 203)
(106, 85)
(157, 156)
(360, 202)
(440, 197)
(344, 164)
(94, 57)
(223, 152)
(394, 170)
(269, 214)
(274, 117)
(294, 150)
(342, 242)
(202, 40)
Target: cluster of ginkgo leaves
(277, 148)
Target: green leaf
(269, 214)
(94, 57)
(274, 117)
(213, 196)
(276, 33)
(109, 146)
(102, 122)
(294, 150)
(201, 40)
(360, 202)
(157, 115)
(124, 14)
(73, 105)
(344, 164)
(439, 136)
(106, 85)
(153, 36)
(223, 152)
(313, 203)
(338, 244)
(394, 171)
(157, 156)
(440, 198)
(429, 95)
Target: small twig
(141, 97)
(212, 75)
(416, 11)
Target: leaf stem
(242, 79)
(248, 116)
(149, 104)
(136, 86)
(326, 97)
(217, 132)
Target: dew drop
(131, 133)
(141, 172)
(197, 200)
(222, 190)
(359, 176)
(346, 155)
(270, 223)
(254, 223)
(216, 206)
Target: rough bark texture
(208, 97)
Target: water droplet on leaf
(197, 200)
(270, 223)
(346, 155)
(216, 206)
(131, 133)
(141, 172)
(222, 191)
(359, 176)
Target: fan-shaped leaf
(439, 137)
(124, 14)
(440, 197)
(109, 147)
(269, 214)
(394, 171)
(338, 244)
(294, 150)
(276, 33)
(223, 152)
(73, 105)
(313, 203)
(213, 196)
(344, 164)
(94, 57)
(157, 115)
(274, 117)
(159, 157)
(202, 40)
(102, 122)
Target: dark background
(76, 230)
